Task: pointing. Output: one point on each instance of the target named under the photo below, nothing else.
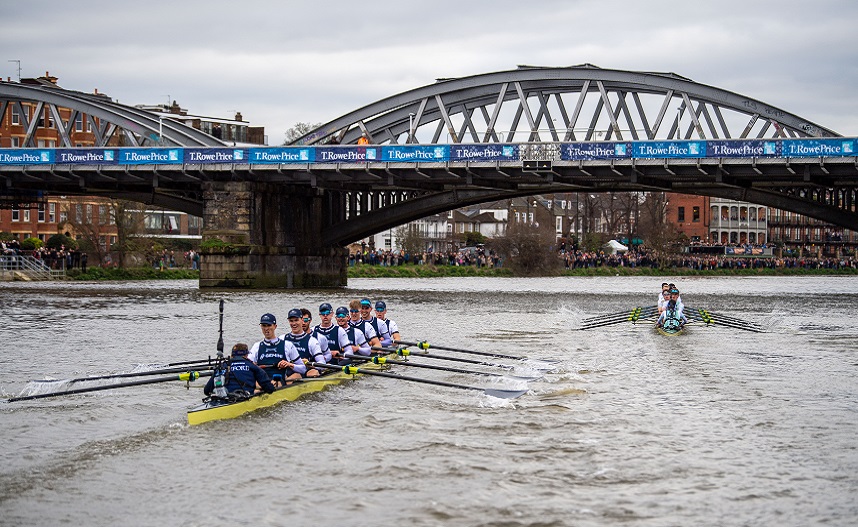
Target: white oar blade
(504, 394)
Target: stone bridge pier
(267, 236)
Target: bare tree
(298, 130)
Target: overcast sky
(279, 63)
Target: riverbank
(444, 271)
(132, 273)
(431, 271)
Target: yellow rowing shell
(216, 411)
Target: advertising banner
(491, 152)
(215, 155)
(10, 156)
(669, 149)
(415, 153)
(590, 151)
(276, 156)
(90, 156)
(818, 147)
(347, 154)
(744, 148)
(150, 156)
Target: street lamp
(410, 128)
(160, 130)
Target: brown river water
(713, 427)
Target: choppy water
(714, 427)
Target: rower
(306, 320)
(390, 325)
(356, 320)
(359, 345)
(335, 337)
(241, 376)
(367, 318)
(279, 357)
(306, 344)
(674, 310)
(663, 296)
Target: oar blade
(504, 394)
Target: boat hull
(217, 410)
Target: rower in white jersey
(390, 325)
(356, 319)
(279, 358)
(663, 296)
(336, 341)
(307, 345)
(379, 328)
(306, 320)
(359, 345)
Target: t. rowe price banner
(746, 148)
(215, 155)
(280, 155)
(415, 154)
(818, 148)
(347, 154)
(150, 156)
(664, 149)
(95, 156)
(26, 157)
(483, 152)
(588, 151)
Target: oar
(714, 318)
(728, 324)
(187, 376)
(424, 345)
(404, 352)
(632, 316)
(117, 375)
(384, 360)
(353, 370)
(620, 314)
(191, 362)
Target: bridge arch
(576, 103)
(107, 119)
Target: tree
(408, 237)
(528, 248)
(92, 235)
(661, 237)
(298, 130)
(60, 241)
(129, 223)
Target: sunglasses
(266, 325)
(326, 313)
(305, 319)
(354, 311)
(342, 316)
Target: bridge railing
(32, 268)
(500, 152)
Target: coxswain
(673, 309)
(359, 345)
(336, 338)
(356, 319)
(306, 344)
(391, 326)
(278, 357)
(241, 376)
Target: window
(16, 142)
(16, 115)
(88, 213)
(78, 213)
(102, 214)
(16, 214)
(41, 213)
(558, 224)
(52, 212)
(26, 215)
(64, 215)
(78, 123)
(695, 214)
(680, 214)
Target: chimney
(238, 116)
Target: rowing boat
(216, 410)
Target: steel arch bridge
(577, 103)
(107, 119)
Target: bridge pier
(260, 235)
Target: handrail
(33, 268)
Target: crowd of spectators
(576, 259)
(476, 256)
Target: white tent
(615, 247)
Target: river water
(714, 427)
